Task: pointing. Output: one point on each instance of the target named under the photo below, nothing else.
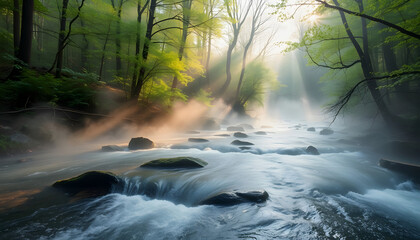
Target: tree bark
(137, 86)
(366, 63)
(25, 45)
(103, 53)
(186, 8)
(61, 38)
(118, 63)
(16, 26)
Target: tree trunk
(25, 45)
(84, 49)
(61, 36)
(16, 26)
(136, 89)
(228, 63)
(103, 53)
(186, 8)
(367, 64)
(118, 63)
(136, 63)
(208, 59)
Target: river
(340, 194)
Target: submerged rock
(140, 143)
(244, 148)
(261, 133)
(326, 131)
(92, 184)
(222, 135)
(238, 142)
(311, 129)
(240, 135)
(197, 140)
(233, 198)
(312, 150)
(112, 148)
(235, 129)
(178, 162)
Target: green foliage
(204, 96)
(158, 92)
(258, 79)
(34, 87)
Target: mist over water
(341, 193)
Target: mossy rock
(233, 198)
(178, 162)
(140, 143)
(197, 140)
(92, 183)
(238, 142)
(312, 150)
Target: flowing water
(340, 194)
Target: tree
(25, 45)
(256, 23)
(237, 15)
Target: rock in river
(311, 129)
(178, 162)
(238, 142)
(326, 131)
(93, 183)
(111, 148)
(261, 133)
(233, 198)
(235, 129)
(240, 135)
(312, 150)
(140, 143)
(197, 140)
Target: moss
(178, 162)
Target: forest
(336, 81)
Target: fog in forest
(209, 119)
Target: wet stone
(240, 135)
(238, 142)
(197, 140)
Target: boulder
(238, 142)
(233, 198)
(111, 148)
(235, 129)
(178, 162)
(410, 169)
(240, 135)
(140, 143)
(326, 131)
(197, 140)
(92, 184)
(261, 133)
(311, 129)
(210, 124)
(312, 150)
(246, 126)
